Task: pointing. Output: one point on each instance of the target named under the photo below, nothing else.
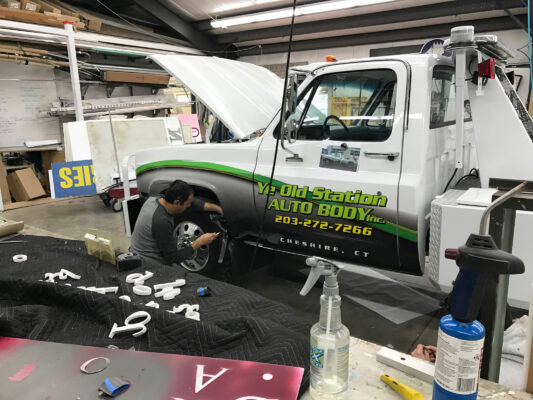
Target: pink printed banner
(55, 374)
(192, 120)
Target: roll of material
(19, 258)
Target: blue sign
(74, 178)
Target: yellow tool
(408, 392)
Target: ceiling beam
(380, 18)
(424, 32)
(198, 39)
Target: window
(349, 106)
(442, 97)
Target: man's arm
(163, 233)
(200, 205)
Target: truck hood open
(245, 97)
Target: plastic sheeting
(391, 299)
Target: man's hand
(204, 240)
(428, 353)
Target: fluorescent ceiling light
(266, 1)
(287, 12)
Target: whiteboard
(20, 105)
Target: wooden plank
(134, 77)
(33, 17)
(62, 17)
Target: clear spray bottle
(330, 339)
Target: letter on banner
(200, 378)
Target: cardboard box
(29, 5)
(10, 3)
(4, 188)
(24, 185)
(48, 158)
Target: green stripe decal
(388, 226)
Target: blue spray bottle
(461, 337)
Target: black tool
(479, 261)
(127, 261)
(113, 386)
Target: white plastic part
(152, 304)
(63, 274)
(140, 327)
(131, 277)
(19, 258)
(140, 280)
(176, 283)
(421, 369)
(193, 315)
(170, 294)
(84, 366)
(66, 273)
(142, 290)
(104, 290)
(125, 298)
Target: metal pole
(460, 67)
(115, 146)
(74, 76)
(502, 289)
(483, 226)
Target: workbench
(365, 383)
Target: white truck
(368, 147)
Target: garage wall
(513, 39)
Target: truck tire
(188, 227)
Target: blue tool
(461, 337)
(113, 386)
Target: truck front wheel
(189, 226)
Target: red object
(452, 254)
(486, 69)
(68, 22)
(118, 193)
(331, 58)
(48, 370)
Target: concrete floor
(72, 218)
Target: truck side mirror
(292, 94)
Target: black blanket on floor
(235, 323)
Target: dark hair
(178, 190)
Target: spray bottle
(330, 339)
(461, 337)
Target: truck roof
(410, 58)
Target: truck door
(340, 200)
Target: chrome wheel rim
(187, 232)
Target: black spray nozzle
(479, 261)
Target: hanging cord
(451, 179)
(283, 99)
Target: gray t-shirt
(153, 235)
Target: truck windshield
(364, 101)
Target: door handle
(391, 155)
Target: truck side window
(364, 101)
(442, 97)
